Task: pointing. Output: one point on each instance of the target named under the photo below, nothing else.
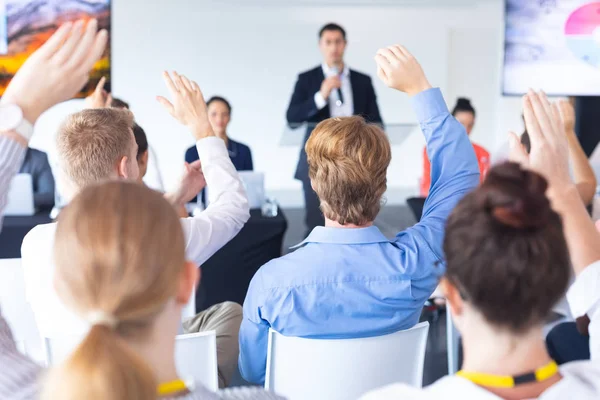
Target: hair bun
(516, 197)
(463, 101)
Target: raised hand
(99, 98)
(400, 70)
(567, 112)
(190, 184)
(58, 69)
(188, 106)
(549, 154)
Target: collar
(321, 234)
(327, 71)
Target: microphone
(334, 71)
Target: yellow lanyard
(498, 381)
(169, 388)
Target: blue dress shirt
(352, 283)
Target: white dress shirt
(346, 109)
(580, 379)
(205, 234)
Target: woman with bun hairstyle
(508, 248)
(120, 264)
(464, 113)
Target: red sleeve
(426, 178)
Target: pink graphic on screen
(582, 33)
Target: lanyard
(506, 381)
(169, 388)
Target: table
(14, 230)
(227, 274)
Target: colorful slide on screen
(26, 24)
(552, 45)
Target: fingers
(387, 54)
(96, 51)
(100, 87)
(531, 122)
(187, 83)
(517, 153)
(64, 52)
(84, 45)
(52, 45)
(170, 84)
(177, 81)
(166, 104)
(196, 87)
(384, 65)
(404, 51)
(109, 100)
(543, 112)
(397, 52)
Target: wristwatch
(12, 119)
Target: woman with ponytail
(120, 265)
(464, 112)
(508, 247)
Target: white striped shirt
(12, 154)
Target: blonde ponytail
(119, 255)
(101, 367)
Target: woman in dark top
(219, 115)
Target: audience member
(507, 248)
(465, 114)
(347, 280)
(148, 162)
(36, 164)
(52, 74)
(133, 307)
(98, 144)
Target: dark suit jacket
(239, 153)
(302, 107)
(36, 164)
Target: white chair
(17, 311)
(342, 369)
(196, 358)
(195, 355)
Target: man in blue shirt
(347, 280)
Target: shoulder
(37, 155)
(242, 148)
(311, 73)
(40, 235)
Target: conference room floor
(390, 221)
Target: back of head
(141, 139)
(118, 103)
(463, 105)
(505, 249)
(119, 253)
(91, 143)
(348, 160)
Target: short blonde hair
(92, 142)
(348, 160)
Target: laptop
(254, 183)
(20, 197)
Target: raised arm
(454, 169)
(549, 157)
(583, 174)
(52, 74)
(228, 210)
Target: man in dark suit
(329, 90)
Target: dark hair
(526, 141)
(332, 27)
(140, 139)
(118, 103)
(463, 105)
(505, 249)
(221, 99)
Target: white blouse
(581, 379)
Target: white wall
(252, 54)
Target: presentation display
(26, 24)
(552, 45)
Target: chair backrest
(20, 196)
(195, 355)
(300, 368)
(16, 310)
(196, 358)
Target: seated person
(134, 307)
(507, 248)
(219, 115)
(36, 164)
(347, 280)
(465, 114)
(95, 145)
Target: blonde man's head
(348, 160)
(96, 145)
